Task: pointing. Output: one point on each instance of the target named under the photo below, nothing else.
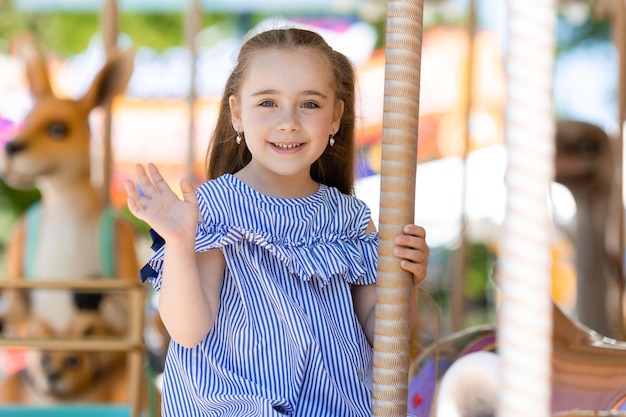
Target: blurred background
(460, 190)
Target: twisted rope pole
(397, 200)
(525, 317)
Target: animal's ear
(36, 68)
(110, 81)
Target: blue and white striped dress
(286, 340)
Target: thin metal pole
(620, 40)
(457, 287)
(194, 15)
(619, 26)
(109, 29)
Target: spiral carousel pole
(397, 200)
(524, 323)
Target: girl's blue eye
(310, 105)
(268, 103)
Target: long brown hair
(336, 166)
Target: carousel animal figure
(585, 165)
(588, 368)
(73, 377)
(51, 377)
(588, 372)
(71, 233)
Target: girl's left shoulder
(351, 207)
(342, 198)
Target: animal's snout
(13, 148)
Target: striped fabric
(286, 340)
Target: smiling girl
(267, 275)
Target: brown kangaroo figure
(72, 229)
(52, 153)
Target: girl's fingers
(413, 242)
(418, 271)
(132, 197)
(131, 191)
(132, 206)
(415, 230)
(157, 178)
(413, 251)
(130, 188)
(144, 181)
(413, 255)
(189, 193)
(414, 237)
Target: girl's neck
(278, 186)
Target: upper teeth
(285, 146)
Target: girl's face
(287, 109)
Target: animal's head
(66, 373)
(55, 140)
(584, 156)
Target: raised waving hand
(172, 218)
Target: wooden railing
(131, 343)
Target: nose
(13, 148)
(288, 120)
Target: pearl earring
(238, 138)
(331, 139)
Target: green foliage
(65, 34)
(158, 31)
(480, 261)
(571, 35)
(13, 203)
(17, 201)
(477, 284)
(69, 33)
(11, 23)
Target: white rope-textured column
(524, 323)
(392, 331)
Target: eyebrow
(303, 93)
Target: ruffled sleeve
(153, 269)
(148, 272)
